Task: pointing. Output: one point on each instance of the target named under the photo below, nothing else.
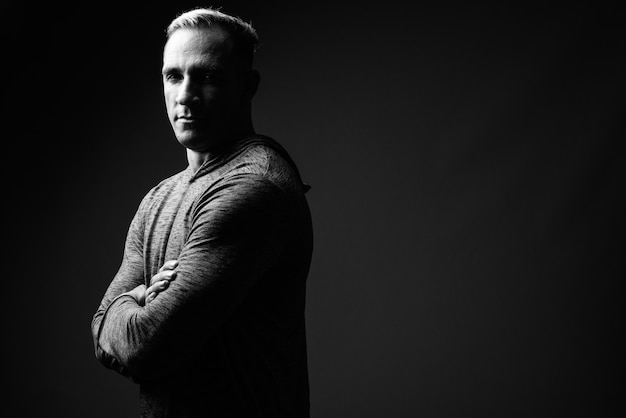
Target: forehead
(185, 45)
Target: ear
(251, 83)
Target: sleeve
(237, 232)
(129, 276)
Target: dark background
(467, 173)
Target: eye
(209, 77)
(172, 76)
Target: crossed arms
(237, 233)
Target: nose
(187, 93)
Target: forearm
(143, 342)
(129, 276)
(102, 327)
(119, 335)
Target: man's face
(202, 87)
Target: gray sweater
(227, 337)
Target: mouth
(188, 119)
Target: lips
(189, 120)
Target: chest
(168, 223)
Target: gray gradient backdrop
(467, 173)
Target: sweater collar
(238, 147)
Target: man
(206, 312)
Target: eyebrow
(193, 68)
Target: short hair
(243, 34)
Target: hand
(139, 293)
(160, 281)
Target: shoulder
(162, 189)
(265, 158)
(239, 201)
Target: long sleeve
(129, 276)
(237, 232)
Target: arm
(237, 232)
(129, 276)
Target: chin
(195, 141)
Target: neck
(197, 158)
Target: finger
(158, 287)
(169, 265)
(164, 275)
(150, 298)
(155, 289)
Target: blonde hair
(243, 34)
